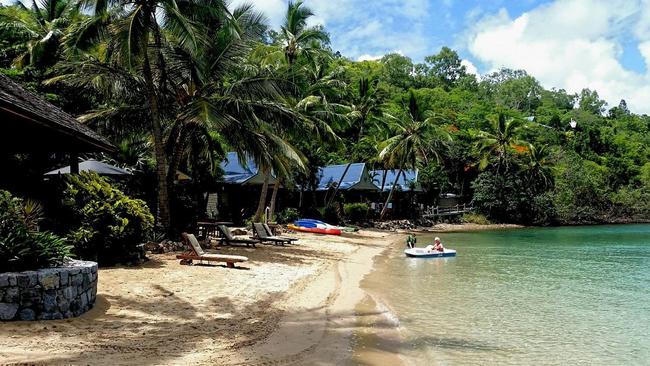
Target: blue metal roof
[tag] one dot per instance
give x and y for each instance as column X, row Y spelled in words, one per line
column 405, row 182
column 236, row 173
column 356, row 177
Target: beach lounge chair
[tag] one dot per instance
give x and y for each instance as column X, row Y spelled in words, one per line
column 228, row 239
column 265, row 236
column 270, row 232
column 196, row 253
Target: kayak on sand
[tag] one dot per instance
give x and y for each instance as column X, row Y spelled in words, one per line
column 321, row 224
column 315, row 229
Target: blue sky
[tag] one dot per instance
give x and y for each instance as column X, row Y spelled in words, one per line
column 571, row 44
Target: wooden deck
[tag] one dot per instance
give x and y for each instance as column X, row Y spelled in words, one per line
column 437, row 211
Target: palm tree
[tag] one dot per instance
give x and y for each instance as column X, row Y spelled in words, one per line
column 539, row 166
column 201, row 89
column 497, row 142
column 415, row 139
column 41, row 31
column 363, row 107
column 297, row 36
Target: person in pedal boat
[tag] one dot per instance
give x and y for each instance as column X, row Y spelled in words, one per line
column 438, row 245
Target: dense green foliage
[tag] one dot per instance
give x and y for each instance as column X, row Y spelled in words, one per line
column 174, row 88
column 22, row 248
column 288, row 215
column 107, row 225
column 356, row 212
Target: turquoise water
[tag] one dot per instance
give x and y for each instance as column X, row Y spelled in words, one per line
column 543, row 296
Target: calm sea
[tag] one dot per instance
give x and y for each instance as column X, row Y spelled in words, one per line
column 543, row 296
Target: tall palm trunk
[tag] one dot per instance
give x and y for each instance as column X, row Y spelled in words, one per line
column 336, row 189
column 274, row 197
column 262, row 203
column 390, row 195
column 164, row 215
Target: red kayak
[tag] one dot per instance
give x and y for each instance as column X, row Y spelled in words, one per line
column 314, row 230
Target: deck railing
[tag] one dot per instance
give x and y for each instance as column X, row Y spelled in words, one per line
column 433, row 211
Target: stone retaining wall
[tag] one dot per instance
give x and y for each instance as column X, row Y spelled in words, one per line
column 51, row 293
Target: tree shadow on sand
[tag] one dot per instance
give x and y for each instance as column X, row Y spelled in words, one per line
column 157, row 329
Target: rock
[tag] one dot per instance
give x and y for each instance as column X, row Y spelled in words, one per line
column 27, row 279
column 83, row 300
column 70, row 293
column 12, row 294
column 27, row 314
column 49, row 279
column 64, row 278
column 8, row 311
column 87, row 279
column 31, row 296
column 50, row 316
column 239, row 231
column 4, row 280
column 64, row 305
column 49, row 303
column 77, row 280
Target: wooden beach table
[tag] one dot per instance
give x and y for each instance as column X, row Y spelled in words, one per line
column 208, row 229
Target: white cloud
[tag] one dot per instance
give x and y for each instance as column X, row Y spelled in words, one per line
column 367, row 57
column 470, row 67
column 274, row 10
column 571, row 44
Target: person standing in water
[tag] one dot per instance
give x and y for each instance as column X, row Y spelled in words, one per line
column 410, row 241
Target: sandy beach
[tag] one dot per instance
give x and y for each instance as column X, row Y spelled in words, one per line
column 296, row 304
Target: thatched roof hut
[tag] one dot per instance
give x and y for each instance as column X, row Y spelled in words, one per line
column 28, row 123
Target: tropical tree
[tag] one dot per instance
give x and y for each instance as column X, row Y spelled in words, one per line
column 364, row 106
column 296, row 36
column 37, row 32
column 190, row 73
column 415, row 139
column 539, row 167
column 499, row 140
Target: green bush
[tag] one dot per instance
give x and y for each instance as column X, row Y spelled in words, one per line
column 331, row 214
column 356, row 212
column 288, row 215
column 475, row 218
column 580, row 191
column 109, row 226
column 24, row 249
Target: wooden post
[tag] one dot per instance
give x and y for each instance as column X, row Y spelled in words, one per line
column 74, row 163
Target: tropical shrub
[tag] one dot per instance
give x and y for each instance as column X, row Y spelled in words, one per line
column 288, row 215
column 475, row 218
column 24, row 249
column 581, row 191
column 356, row 212
column 511, row 198
column 108, row 225
column 331, row 214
